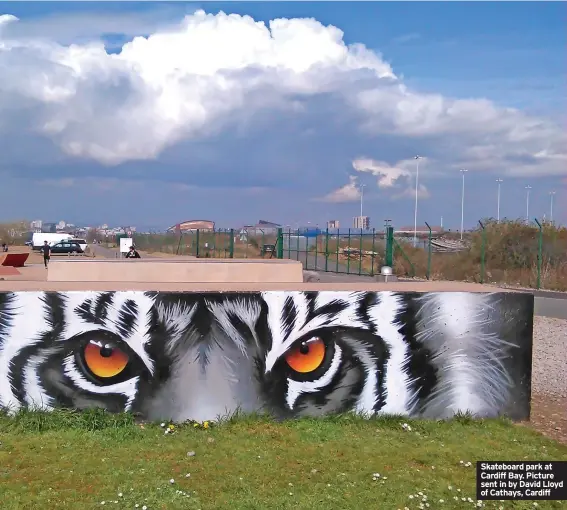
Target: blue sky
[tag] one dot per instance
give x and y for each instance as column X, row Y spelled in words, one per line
column 279, row 163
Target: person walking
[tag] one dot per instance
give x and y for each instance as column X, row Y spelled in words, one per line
column 132, row 253
column 46, row 250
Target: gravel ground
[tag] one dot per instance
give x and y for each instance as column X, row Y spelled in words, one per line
column 549, row 378
column 549, row 372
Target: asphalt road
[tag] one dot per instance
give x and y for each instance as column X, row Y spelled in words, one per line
column 550, row 307
column 107, row 253
column 101, row 251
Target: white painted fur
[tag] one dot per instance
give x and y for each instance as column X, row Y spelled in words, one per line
column 468, row 359
column 399, row 396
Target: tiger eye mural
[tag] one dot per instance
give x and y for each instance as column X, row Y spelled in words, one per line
column 199, row 356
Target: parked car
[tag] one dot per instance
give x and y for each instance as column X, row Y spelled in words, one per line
column 81, row 242
column 66, row 247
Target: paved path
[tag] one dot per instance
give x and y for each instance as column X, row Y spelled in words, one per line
column 111, row 253
column 550, row 307
column 101, row 251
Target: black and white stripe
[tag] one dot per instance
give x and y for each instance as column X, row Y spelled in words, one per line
column 195, row 356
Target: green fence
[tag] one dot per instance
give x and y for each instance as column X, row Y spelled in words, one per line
column 340, row 251
column 348, row 251
column 516, row 253
column 512, row 252
column 219, row 243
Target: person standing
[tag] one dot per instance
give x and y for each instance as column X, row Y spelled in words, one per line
column 132, row 253
column 46, row 250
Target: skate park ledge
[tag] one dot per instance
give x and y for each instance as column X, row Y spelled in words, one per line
column 221, row 275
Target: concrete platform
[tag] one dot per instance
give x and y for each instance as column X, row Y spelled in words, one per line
column 176, row 271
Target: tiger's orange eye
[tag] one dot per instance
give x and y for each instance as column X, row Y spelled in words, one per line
column 307, row 356
column 105, row 361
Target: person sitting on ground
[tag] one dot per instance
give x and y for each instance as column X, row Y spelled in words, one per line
column 46, row 250
column 132, row 254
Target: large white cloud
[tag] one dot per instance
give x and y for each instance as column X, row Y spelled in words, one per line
column 350, row 192
column 191, row 81
column 399, row 178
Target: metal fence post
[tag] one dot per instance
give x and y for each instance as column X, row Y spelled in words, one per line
column 279, row 243
column 373, row 251
column 482, row 251
column 197, row 244
column 231, row 244
column 428, row 274
column 316, row 247
column 338, row 246
column 539, row 253
column 389, row 246
column 327, row 249
column 360, row 249
column 348, row 253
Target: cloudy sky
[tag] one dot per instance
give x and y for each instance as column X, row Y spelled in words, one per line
column 151, row 113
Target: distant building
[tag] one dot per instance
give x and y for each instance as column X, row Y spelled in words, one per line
column 36, row 225
column 361, row 222
column 189, row 225
column 49, row 228
column 333, row 224
column 262, row 227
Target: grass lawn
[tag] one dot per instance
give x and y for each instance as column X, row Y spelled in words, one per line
column 67, row 460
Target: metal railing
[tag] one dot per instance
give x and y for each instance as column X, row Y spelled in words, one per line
column 218, row 243
column 512, row 252
column 350, row 251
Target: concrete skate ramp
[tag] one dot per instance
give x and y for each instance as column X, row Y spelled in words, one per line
column 176, row 271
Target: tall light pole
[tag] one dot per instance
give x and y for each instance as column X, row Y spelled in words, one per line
column 361, row 198
column 528, row 188
column 463, row 172
column 551, row 194
column 417, row 158
column 499, row 181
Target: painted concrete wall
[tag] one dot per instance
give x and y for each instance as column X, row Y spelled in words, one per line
column 199, row 356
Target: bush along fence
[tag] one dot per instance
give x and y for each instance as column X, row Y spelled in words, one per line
column 509, row 252
column 515, row 253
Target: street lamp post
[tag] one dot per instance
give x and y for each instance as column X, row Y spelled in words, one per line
column 528, row 188
column 463, row 172
column 499, row 181
column 417, row 158
column 361, row 198
column 551, row 194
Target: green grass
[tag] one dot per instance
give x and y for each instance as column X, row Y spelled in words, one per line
column 71, row 460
